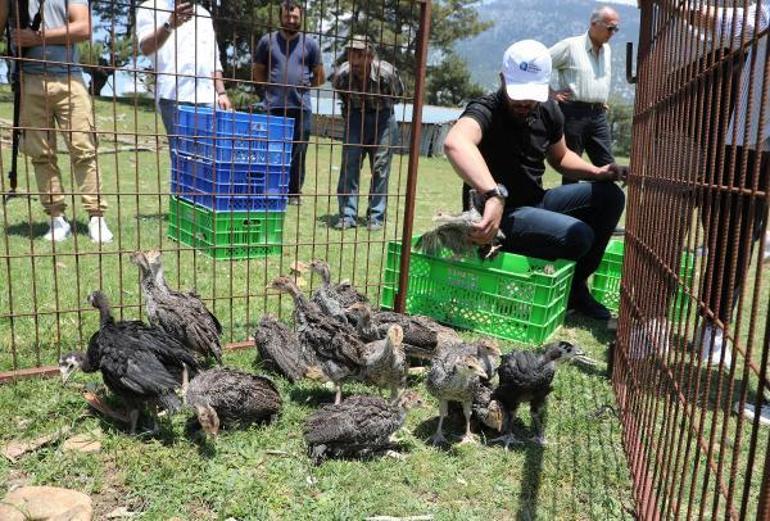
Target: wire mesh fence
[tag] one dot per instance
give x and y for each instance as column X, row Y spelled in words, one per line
column 694, row 333
column 127, row 132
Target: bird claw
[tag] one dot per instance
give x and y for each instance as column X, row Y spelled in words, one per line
column 438, row 439
column 507, row 440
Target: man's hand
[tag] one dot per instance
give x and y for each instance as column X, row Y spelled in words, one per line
column 485, row 231
column 182, row 14
column 613, row 172
column 26, row 38
column 563, row 95
column 224, row 103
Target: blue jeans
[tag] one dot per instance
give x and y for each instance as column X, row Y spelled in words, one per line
column 572, row 222
column 303, row 121
column 373, row 134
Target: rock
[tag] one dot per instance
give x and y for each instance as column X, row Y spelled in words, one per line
column 46, row 503
column 17, row 448
column 83, row 443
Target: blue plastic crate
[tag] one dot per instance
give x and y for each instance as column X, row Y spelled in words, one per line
column 207, row 122
column 237, row 187
column 236, row 150
column 234, row 136
column 218, row 177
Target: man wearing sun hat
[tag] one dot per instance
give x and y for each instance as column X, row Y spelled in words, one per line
column 499, row 146
column 370, row 88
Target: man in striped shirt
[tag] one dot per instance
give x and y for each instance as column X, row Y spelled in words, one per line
column 581, row 85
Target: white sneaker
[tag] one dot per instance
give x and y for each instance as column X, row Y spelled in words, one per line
column 749, row 411
column 712, row 340
column 649, row 337
column 58, row 230
column 98, row 230
column 766, row 256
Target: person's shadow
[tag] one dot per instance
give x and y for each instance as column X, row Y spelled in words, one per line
column 35, row 230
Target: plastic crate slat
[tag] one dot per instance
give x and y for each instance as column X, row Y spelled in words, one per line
column 510, row 296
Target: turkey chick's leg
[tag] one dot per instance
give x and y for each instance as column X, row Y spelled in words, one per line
column 468, row 437
column 443, row 409
column 537, row 411
column 133, row 417
column 338, row 395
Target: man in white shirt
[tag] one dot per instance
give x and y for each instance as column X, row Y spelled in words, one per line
column 180, row 39
column 581, row 84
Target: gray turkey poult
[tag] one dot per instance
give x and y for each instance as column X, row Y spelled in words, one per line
column 141, row 364
column 280, row 349
column 453, row 377
column 453, row 233
column 384, row 362
column 358, row 427
column 333, row 299
column 526, row 376
column 339, row 352
column 182, row 315
column 226, row 397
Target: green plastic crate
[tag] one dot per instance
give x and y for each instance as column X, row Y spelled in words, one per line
column 606, row 281
column 225, row 235
column 512, row 297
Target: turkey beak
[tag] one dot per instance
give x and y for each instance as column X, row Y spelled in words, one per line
column 482, row 373
column 582, row 358
column 65, row 372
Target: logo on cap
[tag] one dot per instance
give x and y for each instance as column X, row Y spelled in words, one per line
column 529, row 67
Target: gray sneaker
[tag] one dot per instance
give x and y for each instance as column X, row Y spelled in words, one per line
column 344, row 224
column 374, row 226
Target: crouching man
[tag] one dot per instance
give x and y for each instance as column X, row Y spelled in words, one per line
column 499, row 147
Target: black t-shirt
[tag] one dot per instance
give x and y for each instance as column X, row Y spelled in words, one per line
column 515, row 149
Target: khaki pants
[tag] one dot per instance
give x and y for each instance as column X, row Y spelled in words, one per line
column 49, row 100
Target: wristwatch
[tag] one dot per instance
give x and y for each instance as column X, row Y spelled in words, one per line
column 498, row 191
column 167, row 27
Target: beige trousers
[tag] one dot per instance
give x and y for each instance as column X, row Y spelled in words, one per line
column 58, row 100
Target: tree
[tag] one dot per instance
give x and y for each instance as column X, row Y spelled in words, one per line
column 449, row 84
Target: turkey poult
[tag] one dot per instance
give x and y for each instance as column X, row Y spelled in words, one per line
column 181, row 315
column 141, row 364
column 453, row 377
column 225, row 397
column 485, row 408
column 453, row 233
column 526, row 376
column 338, row 350
column 422, row 335
column 358, row 427
column 385, row 362
column 280, row 350
column 333, row 299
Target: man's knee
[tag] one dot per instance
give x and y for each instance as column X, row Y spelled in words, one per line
column 613, row 200
column 577, row 241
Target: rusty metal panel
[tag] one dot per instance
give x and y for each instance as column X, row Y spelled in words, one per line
column 693, row 329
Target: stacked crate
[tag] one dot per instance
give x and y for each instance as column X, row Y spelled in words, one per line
column 229, row 182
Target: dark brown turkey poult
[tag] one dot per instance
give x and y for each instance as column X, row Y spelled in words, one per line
column 358, row 427
column 421, row 334
column 182, row 315
column 338, row 350
column 280, row 350
column 223, row 397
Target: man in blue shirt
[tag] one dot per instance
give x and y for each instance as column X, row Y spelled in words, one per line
column 288, row 63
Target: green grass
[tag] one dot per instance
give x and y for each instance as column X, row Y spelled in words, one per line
column 581, row 475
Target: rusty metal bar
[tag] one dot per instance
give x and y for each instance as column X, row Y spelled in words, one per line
column 414, row 145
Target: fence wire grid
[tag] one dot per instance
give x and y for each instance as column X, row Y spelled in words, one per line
column 693, row 329
column 216, row 200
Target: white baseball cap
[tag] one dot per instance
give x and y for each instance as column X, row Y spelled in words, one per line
column 527, row 71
